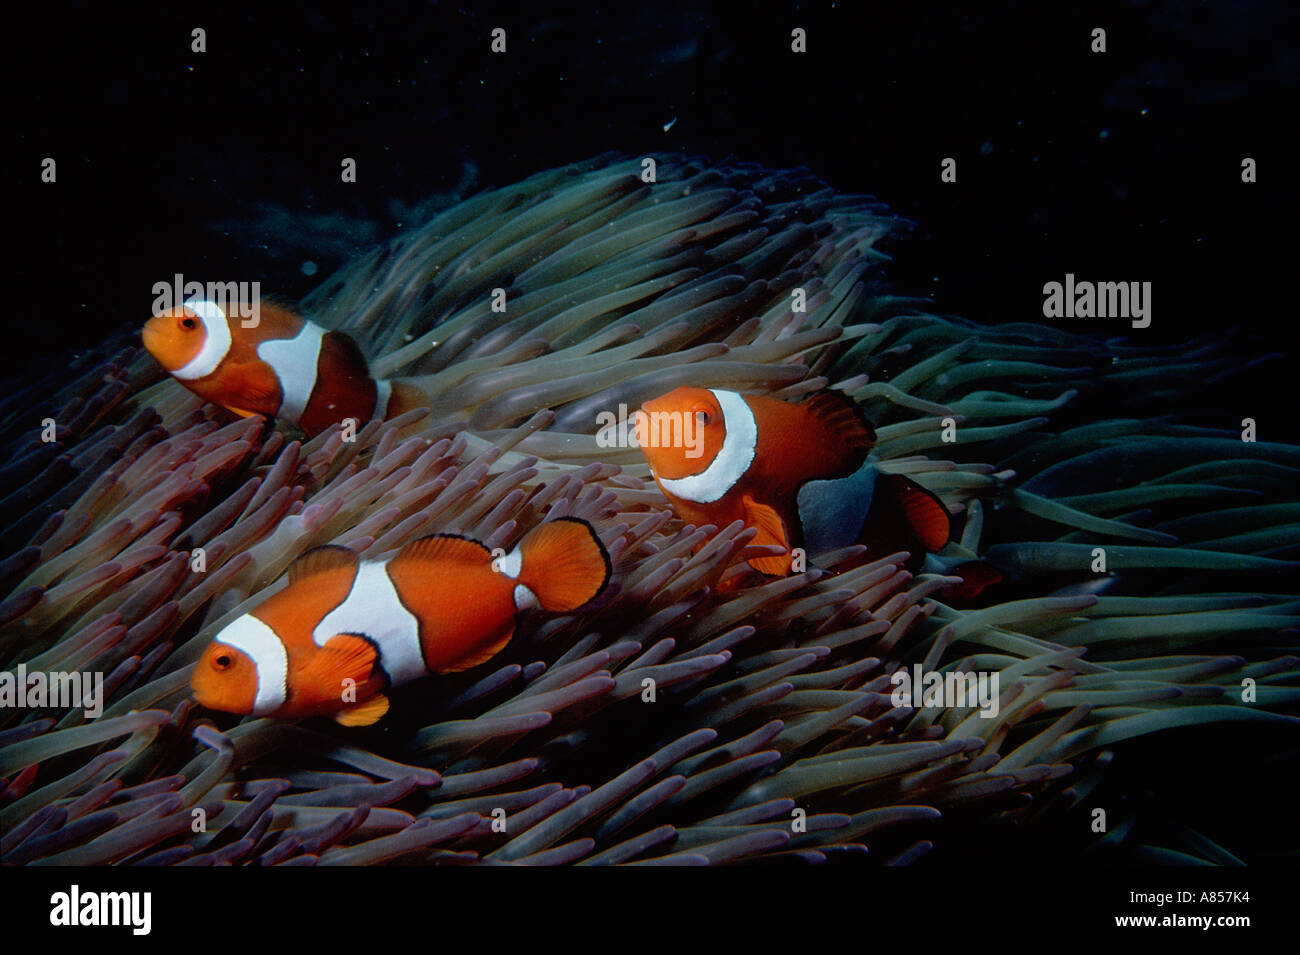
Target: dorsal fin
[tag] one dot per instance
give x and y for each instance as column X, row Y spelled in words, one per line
column 322, row 559
column 842, row 417
column 278, row 300
column 444, row 547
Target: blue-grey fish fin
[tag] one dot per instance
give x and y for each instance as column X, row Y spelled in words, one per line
column 833, row 511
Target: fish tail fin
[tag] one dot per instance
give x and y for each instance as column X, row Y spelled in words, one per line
column 904, row 516
column 564, row 564
column 403, row 397
column 925, row 514
column 976, row 577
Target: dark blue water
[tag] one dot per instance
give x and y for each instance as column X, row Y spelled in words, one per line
column 1122, row 166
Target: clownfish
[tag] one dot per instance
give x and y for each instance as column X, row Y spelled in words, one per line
column 798, row 473
column 283, row 367
column 344, row 630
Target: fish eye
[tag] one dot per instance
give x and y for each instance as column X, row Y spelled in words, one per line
column 188, row 322
column 222, row 661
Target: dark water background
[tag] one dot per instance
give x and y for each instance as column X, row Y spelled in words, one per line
column 1121, row 166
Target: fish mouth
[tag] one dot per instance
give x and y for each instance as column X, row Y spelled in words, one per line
column 667, row 460
column 205, row 694
column 201, row 695
column 152, row 333
column 641, row 422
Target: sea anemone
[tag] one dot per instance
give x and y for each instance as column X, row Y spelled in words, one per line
column 694, row 715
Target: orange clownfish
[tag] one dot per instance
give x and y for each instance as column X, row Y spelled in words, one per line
column 344, row 630
column 797, row 472
column 283, row 367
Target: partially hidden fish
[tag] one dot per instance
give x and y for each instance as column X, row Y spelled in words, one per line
column 343, row 630
column 798, row 473
column 283, row 367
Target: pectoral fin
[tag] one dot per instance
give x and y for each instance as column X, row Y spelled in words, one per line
column 771, row 530
column 345, row 656
column 255, row 389
column 363, row 714
column 242, row 412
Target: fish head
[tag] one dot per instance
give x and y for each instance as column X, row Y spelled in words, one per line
column 225, row 679
column 681, row 432
column 189, row 340
column 243, row 670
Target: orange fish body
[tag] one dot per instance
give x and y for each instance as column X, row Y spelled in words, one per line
column 282, row 367
column 797, row 472
column 344, row 630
